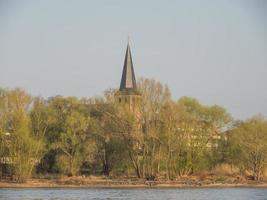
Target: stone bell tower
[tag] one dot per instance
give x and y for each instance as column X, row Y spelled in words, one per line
column 128, row 93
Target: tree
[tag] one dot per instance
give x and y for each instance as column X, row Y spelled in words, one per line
column 22, row 149
column 110, row 147
column 174, row 139
column 68, row 134
column 39, row 116
column 72, row 140
column 206, row 128
column 250, row 141
column 154, row 96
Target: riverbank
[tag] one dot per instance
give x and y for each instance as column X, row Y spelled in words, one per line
column 102, row 182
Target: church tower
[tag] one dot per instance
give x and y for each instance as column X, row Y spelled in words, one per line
column 128, row 93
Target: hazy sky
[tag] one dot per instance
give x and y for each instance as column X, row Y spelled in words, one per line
column 215, row 51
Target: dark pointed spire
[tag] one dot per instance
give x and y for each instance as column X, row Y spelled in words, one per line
column 128, row 81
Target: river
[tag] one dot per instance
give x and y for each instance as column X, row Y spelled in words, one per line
column 135, row 194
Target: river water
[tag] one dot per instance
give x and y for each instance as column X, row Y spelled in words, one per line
column 135, row 194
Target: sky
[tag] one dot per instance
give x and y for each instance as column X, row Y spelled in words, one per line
column 215, row 51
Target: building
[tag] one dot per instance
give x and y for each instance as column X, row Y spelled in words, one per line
column 128, row 94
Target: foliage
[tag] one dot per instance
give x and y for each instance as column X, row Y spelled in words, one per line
column 19, row 145
column 249, row 145
column 162, row 138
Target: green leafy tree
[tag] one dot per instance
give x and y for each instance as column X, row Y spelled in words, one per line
column 22, row 148
column 249, row 142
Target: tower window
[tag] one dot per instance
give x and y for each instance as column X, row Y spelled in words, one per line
column 119, row 99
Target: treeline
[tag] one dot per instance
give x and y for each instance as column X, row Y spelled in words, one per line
column 96, row 136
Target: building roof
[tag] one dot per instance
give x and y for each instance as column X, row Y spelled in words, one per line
column 128, row 82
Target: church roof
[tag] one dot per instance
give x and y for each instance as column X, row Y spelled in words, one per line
column 128, row 82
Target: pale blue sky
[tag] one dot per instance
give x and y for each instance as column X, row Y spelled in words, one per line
column 215, row 51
